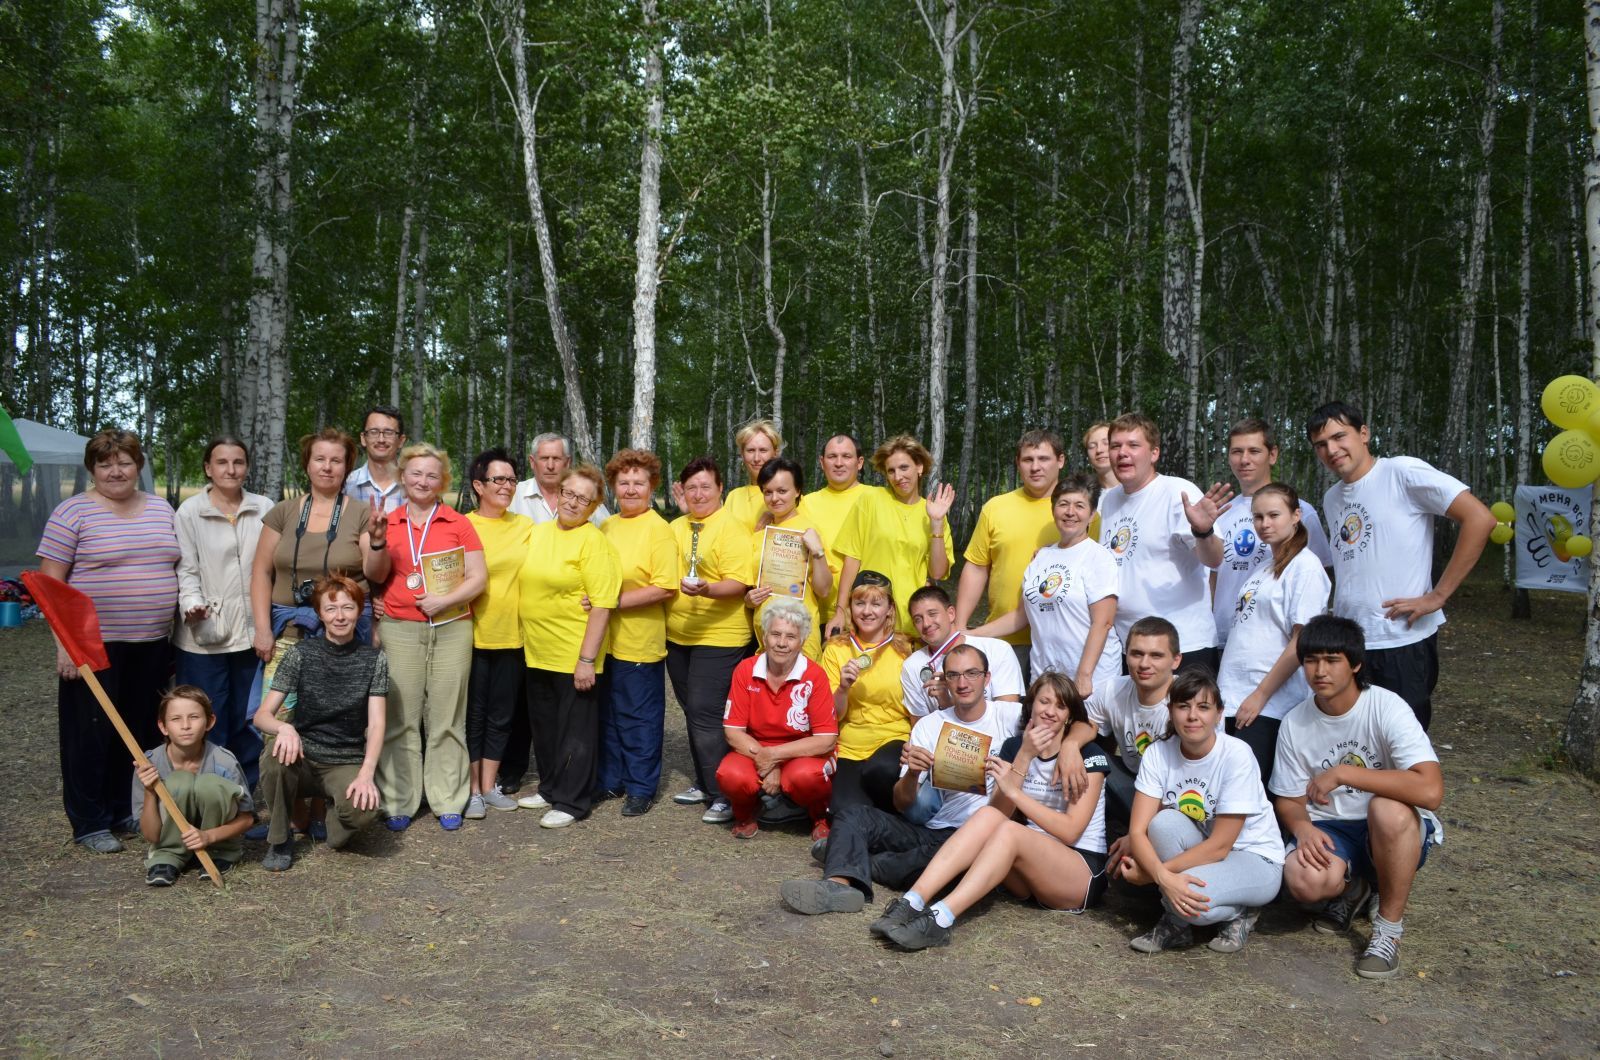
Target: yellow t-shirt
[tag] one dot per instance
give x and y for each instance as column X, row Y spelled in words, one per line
column 893, row 539
column 563, row 565
column 649, row 556
column 700, row 621
column 496, row 621
column 745, row 504
column 828, row 508
column 1011, row 528
column 799, row 522
column 1094, row 527
column 876, row 713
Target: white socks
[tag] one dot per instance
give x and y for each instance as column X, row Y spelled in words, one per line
column 942, row 915
column 916, row 901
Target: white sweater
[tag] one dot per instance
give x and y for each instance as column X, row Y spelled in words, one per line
column 215, row 571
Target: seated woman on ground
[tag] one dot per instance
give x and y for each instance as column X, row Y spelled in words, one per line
column 1056, row 853
column 1202, row 828
column 205, row 781
column 779, row 724
column 332, row 747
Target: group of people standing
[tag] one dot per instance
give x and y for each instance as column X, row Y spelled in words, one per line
column 1142, row 677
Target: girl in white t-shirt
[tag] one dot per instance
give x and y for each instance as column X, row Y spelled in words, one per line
column 1057, row 857
column 1202, row 828
column 1260, row 678
column 1069, row 596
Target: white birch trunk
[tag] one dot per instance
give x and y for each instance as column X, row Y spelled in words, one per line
column 1178, row 326
column 946, row 39
column 419, row 338
column 510, row 367
column 1520, row 605
column 647, row 274
column 398, row 344
column 969, row 418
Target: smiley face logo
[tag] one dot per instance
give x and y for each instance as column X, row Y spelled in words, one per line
column 1051, row 584
column 1244, row 542
column 1142, row 741
column 1119, row 543
column 1192, row 806
column 1350, row 530
column 1352, row 759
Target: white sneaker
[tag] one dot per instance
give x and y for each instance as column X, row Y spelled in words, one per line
column 556, row 819
column 692, row 796
column 720, row 812
column 533, row 802
column 496, row 801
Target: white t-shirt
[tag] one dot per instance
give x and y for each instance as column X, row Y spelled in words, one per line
column 1152, row 542
column 1226, row 781
column 1382, row 535
column 1243, row 553
column 1000, row 722
column 1267, row 611
column 1116, row 710
column 1379, row 732
column 1057, row 589
column 1041, row 784
column 1005, row 675
column 529, row 500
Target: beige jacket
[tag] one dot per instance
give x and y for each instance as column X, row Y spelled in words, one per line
column 215, row 572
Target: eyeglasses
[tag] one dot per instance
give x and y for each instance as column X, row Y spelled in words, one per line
column 500, row 480
column 964, row 675
column 380, row 432
column 581, row 498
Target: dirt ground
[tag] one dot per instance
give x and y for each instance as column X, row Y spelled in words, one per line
column 662, row 936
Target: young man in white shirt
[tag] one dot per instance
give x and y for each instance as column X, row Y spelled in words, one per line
column 1252, row 454
column 383, row 435
column 922, row 677
column 866, row 844
column 1011, row 528
column 1162, row 531
column 538, row 497
column 1380, row 520
column 1368, row 817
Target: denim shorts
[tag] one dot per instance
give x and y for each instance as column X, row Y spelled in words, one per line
column 1350, row 844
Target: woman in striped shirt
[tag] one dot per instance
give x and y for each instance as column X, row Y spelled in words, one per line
column 117, row 545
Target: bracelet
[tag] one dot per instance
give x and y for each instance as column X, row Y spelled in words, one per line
column 1199, row 536
column 586, row 662
column 373, row 546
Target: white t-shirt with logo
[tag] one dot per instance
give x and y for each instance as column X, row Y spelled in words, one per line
column 1379, row 732
column 1381, row 529
column 1153, row 544
column 1116, row 710
column 1243, row 553
column 1005, row 674
column 1000, row 722
column 1042, row 785
column 1226, row 781
column 1057, row 589
column 1266, row 612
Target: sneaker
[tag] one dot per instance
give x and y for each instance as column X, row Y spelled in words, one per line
column 1231, row 936
column 636, row 805
column 821, row 896
column 127, row 826
column 691, row 796
column 897, row 913
column 476, row 810
column 450, row 822
column 820, row 831
column 745, row 829
column 719, row 812
column 279, row 857
column 819, row 850
column 398, row 823
column 161, row 876
column 318, row 831
column 1170, row 933
column 257, row 832
column 920, row 934
column 556, row 819
column 533, row 802
column 607, row 794
column 101, row 843
column 1336, row 916
column 508, row 785
column 224, row 866
column 1381, row 959
column 496, row 799
column 780, row 810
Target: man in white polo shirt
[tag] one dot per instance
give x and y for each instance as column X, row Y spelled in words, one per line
column 536, row 497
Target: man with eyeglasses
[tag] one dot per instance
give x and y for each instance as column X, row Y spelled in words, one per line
column 539, row 497
column 866, row 844
column 383, row 434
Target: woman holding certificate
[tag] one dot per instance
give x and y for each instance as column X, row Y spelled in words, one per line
column 863, row 666
column 896, row 531
column 790, row 559
column 707, row 629
column 431, row 567
column 758, row 442
column 569, row 586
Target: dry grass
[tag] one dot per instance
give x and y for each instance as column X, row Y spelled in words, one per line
column 662, row 936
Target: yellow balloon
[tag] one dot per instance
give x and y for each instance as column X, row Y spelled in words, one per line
column 1558, row 528
column 1503, row 512
column 1579, row 546
column 1502, row 533
column 1572, row 459
column 1568, row 400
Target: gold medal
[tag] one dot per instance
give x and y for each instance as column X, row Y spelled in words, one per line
column 863, row 661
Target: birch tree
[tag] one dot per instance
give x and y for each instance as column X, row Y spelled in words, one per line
column 1181, row 227
column 647, row 275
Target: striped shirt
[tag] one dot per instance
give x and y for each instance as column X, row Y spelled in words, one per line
column 126, row 565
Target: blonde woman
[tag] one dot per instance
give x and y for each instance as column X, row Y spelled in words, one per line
column 758, row 442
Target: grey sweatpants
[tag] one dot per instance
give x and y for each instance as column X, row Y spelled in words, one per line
column 1242, row 880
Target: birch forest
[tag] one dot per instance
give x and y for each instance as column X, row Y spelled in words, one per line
column 645, row 221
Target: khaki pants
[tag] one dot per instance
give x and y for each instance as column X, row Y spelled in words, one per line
column 429, row 670
column 281, row 785
column 207, row 801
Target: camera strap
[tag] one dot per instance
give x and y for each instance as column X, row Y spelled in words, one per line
column 300, row 532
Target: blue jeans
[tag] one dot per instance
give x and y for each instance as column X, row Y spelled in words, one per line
column 226, row 677
column 633, row 708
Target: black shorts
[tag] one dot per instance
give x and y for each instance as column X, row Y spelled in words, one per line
column 1410, row 671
